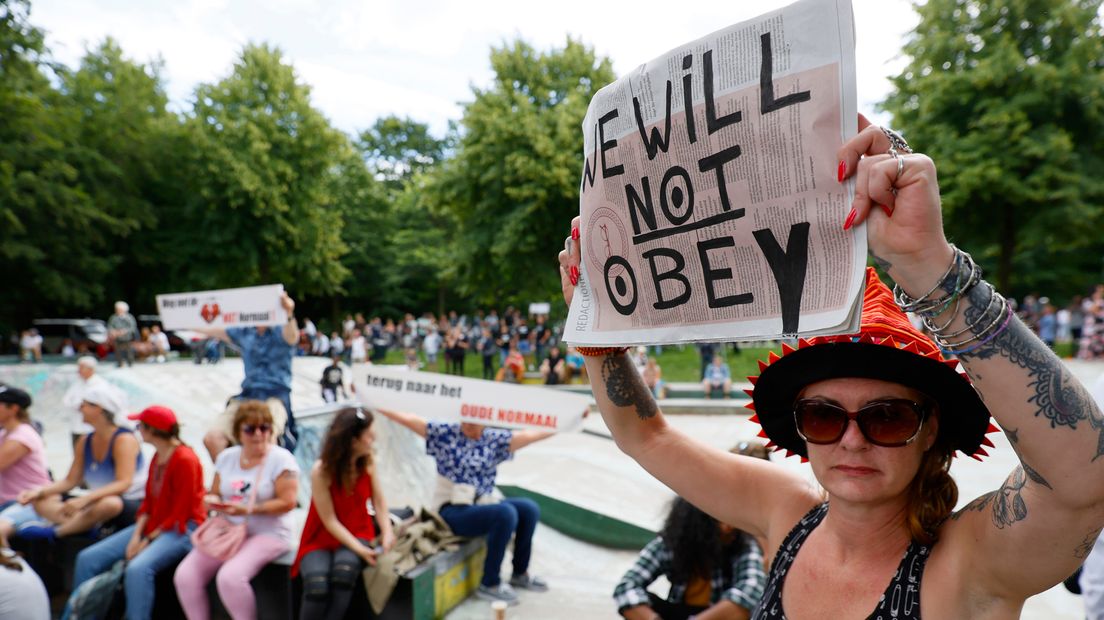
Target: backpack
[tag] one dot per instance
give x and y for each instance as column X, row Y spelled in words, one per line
column 93, row 599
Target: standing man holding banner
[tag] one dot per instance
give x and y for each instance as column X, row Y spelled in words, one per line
column 266, row 355
column 467, row 456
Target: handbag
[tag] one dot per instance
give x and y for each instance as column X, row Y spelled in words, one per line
column 218, row 536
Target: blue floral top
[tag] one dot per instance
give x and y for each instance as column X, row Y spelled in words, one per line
column 468, row 461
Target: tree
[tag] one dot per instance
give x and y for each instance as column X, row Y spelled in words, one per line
column 512, row 185
column 52, row 236
column 263, row 207
column 119, row 108
column 395, row 148
column 1005, row 97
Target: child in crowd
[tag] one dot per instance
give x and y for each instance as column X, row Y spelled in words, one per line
column 333, row 381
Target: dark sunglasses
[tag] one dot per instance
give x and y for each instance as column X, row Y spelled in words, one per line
column 250, row 429
column 890, row 423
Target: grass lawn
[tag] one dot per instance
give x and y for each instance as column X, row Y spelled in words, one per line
column 679, row 364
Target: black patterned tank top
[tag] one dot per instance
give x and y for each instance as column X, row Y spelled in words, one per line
column 900, row 601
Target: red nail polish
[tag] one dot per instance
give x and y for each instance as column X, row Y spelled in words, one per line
column 841, row 171
column 574, row 274
column 888, row 211
column 575, row 233
column 850, row 219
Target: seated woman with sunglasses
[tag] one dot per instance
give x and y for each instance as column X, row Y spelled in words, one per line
column 255, row 461
column 339, row 536
column 885, row 542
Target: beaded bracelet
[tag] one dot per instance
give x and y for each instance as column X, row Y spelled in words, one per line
column 600, row 351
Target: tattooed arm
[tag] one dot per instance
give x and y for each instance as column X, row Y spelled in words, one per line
column 1051, row 507
column 749, row 493
column 1054, row 500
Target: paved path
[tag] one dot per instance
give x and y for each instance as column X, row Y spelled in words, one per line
column 581, row 468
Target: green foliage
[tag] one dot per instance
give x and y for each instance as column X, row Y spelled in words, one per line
column 263, row 206
column 52, row 233
column 512, row 184
column 396, row 148
column 120, row 118
column 1004, row 95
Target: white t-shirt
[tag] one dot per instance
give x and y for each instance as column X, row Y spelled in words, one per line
column 72, row 400
column 357, row 348
column 432, row 343
column 236, row 484
column 22, row 594
column 161, row 341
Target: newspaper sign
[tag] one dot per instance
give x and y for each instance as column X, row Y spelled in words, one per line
column 233, row 307
column 458, row 399
column 709, row 200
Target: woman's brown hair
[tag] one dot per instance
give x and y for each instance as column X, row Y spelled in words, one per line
column 250, row 410
column 932, row 495
column 337, row 447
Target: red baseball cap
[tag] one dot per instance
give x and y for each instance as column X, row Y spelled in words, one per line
column 156, row 416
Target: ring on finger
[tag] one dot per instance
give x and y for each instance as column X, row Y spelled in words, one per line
column 896, row 141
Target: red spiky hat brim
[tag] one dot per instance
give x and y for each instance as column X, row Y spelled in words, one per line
column 963, row 418
column 887, row 348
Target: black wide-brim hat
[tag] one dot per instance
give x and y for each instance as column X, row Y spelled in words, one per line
column 887, row 348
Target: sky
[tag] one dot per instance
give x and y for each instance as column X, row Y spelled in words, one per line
column 420, row 58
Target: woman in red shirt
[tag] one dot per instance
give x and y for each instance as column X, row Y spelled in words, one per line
column 339, row 535
column 161, row 534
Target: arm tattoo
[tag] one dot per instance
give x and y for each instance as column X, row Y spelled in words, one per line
column 977, row 505
column 1008, row 503
column 1086, row 546
column 1034, row 476
column 881, row 263
column 625, row 387
column 1057, row 394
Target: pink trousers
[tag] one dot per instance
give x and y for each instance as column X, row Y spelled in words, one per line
column 231, row 580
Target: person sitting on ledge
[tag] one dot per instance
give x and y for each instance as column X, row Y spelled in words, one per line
column 339, row 537
column 107, row 460
column 467, row 458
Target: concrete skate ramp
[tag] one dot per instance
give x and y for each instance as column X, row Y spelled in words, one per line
column 583, row 470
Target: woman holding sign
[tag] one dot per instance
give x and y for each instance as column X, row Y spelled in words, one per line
column 879, row 414
column 467, row 458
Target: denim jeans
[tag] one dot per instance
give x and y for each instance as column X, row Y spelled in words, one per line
column 498, row 522
column 162, row 552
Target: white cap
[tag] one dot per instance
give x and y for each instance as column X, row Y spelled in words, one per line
column 87, row 360
column 107, row 396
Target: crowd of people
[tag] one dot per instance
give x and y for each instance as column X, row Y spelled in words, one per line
column 162, row 516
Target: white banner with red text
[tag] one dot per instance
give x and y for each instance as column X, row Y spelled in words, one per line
column 459, row 399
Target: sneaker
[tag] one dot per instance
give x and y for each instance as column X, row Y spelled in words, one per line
column 526, row 582
column 501, row 592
